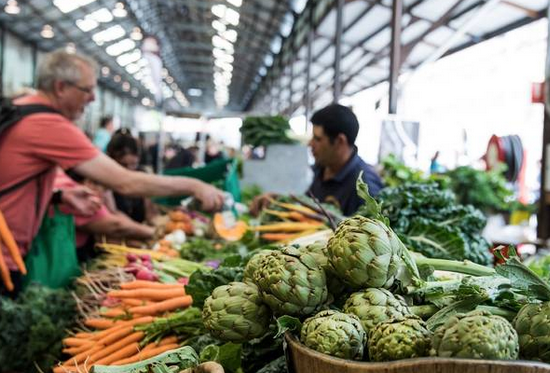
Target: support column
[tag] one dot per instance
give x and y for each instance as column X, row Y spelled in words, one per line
column 337, row 88
column 543, row 228
column 395, row 58
column 307, row 98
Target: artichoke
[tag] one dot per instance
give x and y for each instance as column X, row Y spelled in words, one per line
column 365, row 253
column 252, row 265
column 476, row 335
column 235, row 313
column 532, row 323
column 399, row 338
column 319, row 251
column 334, row 333
column 373, row 306
column 291, row 282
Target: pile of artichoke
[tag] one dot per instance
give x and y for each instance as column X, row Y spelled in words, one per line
column 379, row 319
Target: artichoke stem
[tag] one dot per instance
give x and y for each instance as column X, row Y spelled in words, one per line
column 466, row 267
column 434, row 287
column 497, row 311
column 424, row 311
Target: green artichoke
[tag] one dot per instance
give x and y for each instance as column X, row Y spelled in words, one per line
column 252, row 265
column 235, row 313
column 334, row 333
column 399, row 338
column 291, row 282
column 532, row 323
column 365, row 253
column 319, row 251
column 373, row 306
column 476, row 335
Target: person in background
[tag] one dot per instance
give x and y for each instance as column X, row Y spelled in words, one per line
column 435, row 166
column 337, row 164
column 124, row 149
column 102, row 222
column 32, row 150
column 103, row 134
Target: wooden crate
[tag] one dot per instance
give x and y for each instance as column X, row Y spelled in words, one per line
column 305, row 360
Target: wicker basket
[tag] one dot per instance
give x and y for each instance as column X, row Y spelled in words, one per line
column 305, row 360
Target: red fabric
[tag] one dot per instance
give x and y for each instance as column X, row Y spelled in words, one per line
column 38, row 142
column 63, row 181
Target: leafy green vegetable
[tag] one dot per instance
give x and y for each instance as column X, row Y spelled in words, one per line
column 486, row 190
column 395, row 173
column 263, row 131
column 228, row 355
column 276, row 366
column 429, row 221
column 170, row 361
column 202, row 283
column 32, row 328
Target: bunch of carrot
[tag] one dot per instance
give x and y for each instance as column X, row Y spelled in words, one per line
column 117, row 342
column 295, row 221
column 7, row 239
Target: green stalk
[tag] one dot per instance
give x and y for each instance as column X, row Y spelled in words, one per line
column 424, row 311
column 466, row 267
column 497, row 311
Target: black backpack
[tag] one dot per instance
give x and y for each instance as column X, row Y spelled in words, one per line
column 10, row 115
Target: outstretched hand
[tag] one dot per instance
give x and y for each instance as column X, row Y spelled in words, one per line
column 211, row 198
column 82, row 200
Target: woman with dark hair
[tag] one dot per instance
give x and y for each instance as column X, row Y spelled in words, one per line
column 124, row 149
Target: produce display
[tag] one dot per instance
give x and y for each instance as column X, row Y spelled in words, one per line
column 397, row 281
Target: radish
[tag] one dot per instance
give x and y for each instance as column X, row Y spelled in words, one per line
column 146, row 275
column 145, row 257
column 131, row 258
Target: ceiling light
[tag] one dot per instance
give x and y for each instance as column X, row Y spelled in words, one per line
column 105, row 71
column 47, row 32
column 134, row 92
column 101, row 15
column 219, row 10
column 229, row 35
column 117, row 78
column 128, row 58
column 145, row 101
column 236, row 3
column 110, row 34
column 67, row 6
column 133, row 68
column 231, row 16
column 126, row 87
column 221, row 43
column 119, row 10
column 174, row 86
column 169, row 80
column 136, row 34
column 194, row 92
column 218, row 26
column 12, row 7
column 70, row 48
column 120, row 47
column 86, row 24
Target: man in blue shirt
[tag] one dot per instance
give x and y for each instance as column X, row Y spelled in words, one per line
column 337, row 165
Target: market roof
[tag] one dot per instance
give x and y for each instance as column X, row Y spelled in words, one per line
column 226, row 56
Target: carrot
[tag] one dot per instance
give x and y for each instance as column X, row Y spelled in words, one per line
column 83, row 335
column 108, row 350
column 277, row 236
column 114, row 312
column 148, row 294
column 123, row 353
column 7, row 237
column 77, row 359
column 286, row 227
column 75, row 342
column 168, row 340
column 119, row 334
column 65, row 369
column 77, row 350
column 146, row 354
column 5, row 272
column 140, row 284
column 101, row 323
column 137, row 321
column 167, row 305
column 135, row 302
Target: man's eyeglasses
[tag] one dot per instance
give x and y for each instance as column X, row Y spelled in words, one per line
column 88, row 90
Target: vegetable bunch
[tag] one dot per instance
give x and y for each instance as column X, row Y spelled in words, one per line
column 264, row 131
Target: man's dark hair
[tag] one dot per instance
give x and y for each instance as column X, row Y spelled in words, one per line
column 104, row 121
column 336, row 119
column 122, row 144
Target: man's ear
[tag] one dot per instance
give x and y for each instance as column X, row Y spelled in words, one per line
column 341, row 139
column 59, row 87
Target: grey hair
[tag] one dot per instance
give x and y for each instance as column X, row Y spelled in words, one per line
column 61, row 65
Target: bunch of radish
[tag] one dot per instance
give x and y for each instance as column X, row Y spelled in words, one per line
column 141, row 266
